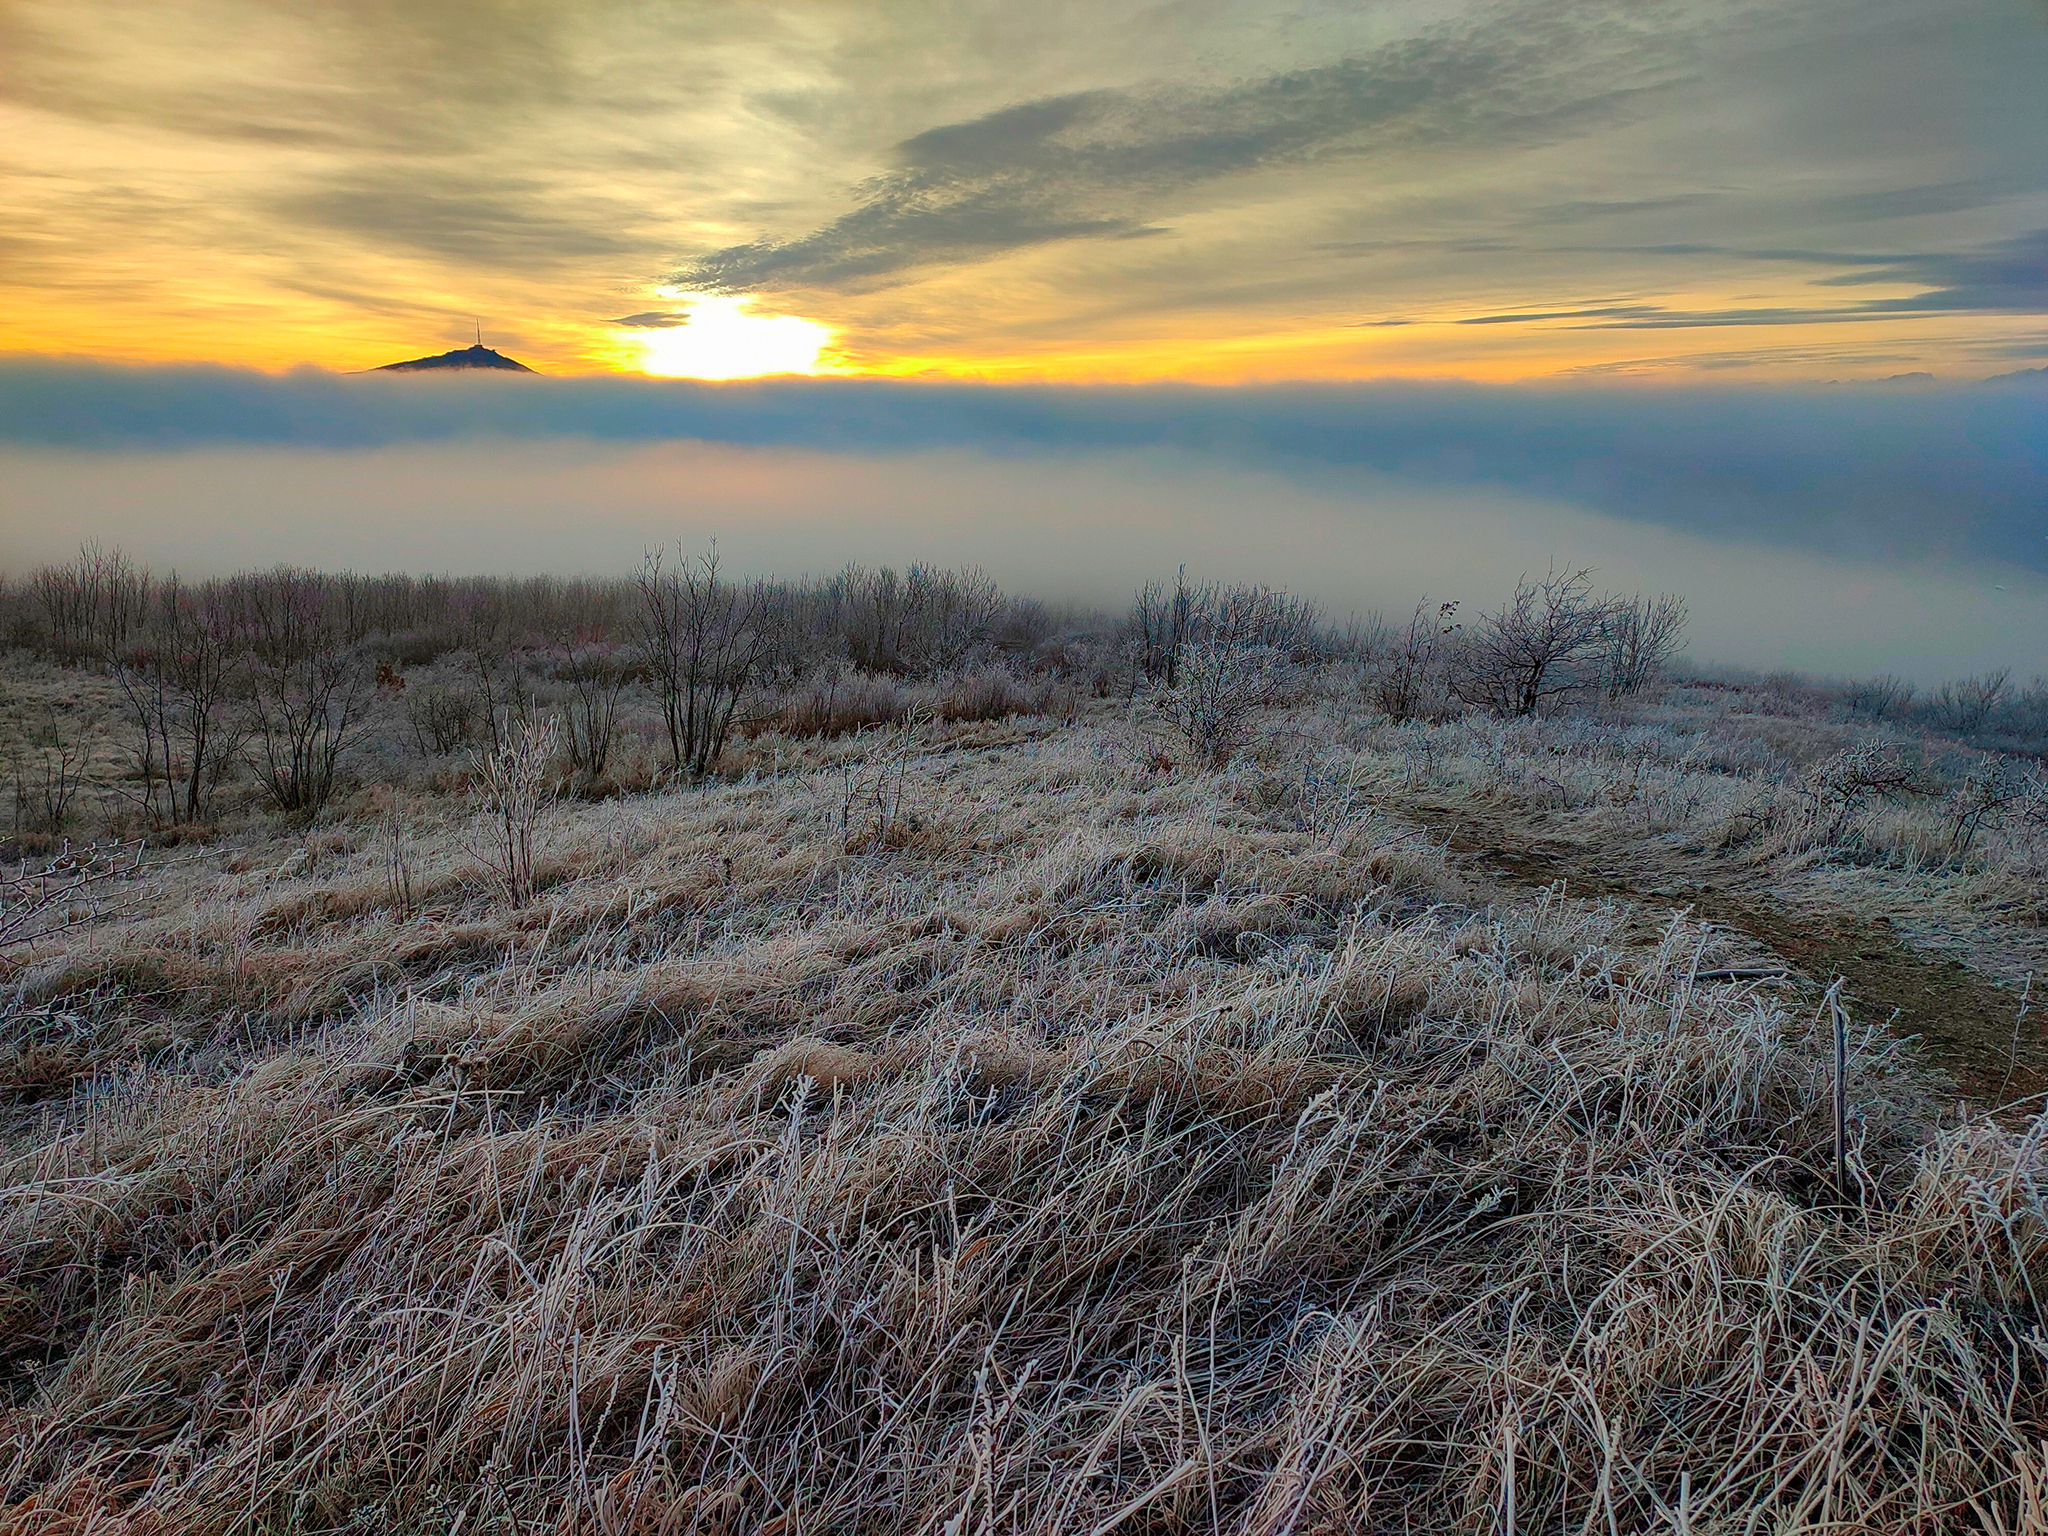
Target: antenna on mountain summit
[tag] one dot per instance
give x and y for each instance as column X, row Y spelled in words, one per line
column 479, row 331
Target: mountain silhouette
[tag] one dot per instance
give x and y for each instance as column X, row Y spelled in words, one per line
column 478, row 356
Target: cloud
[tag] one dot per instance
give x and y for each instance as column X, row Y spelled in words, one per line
column 2008, row 276
column 411, row 80
column 1224, row 192
column 1584, row 210
column 652, row 320
column 1920, row 199
column 509, row 221
column 1098, row 164
column 1603, row 311
column 1940, row 473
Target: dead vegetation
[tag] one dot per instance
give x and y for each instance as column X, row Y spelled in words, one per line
column 1126, row 1149
column 982, row 1103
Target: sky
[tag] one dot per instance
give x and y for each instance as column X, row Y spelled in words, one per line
column 1113, row 190
column 1742, row 299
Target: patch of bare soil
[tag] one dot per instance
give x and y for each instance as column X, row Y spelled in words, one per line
column 1965, row 1022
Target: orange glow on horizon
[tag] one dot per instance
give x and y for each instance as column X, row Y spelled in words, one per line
column 740, row 337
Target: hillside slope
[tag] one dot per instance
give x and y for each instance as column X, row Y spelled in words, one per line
column 999, row 1127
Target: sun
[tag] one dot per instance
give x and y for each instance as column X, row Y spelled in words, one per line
column 725, row 338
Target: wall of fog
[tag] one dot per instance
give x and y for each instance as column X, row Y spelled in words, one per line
column 1059, row 523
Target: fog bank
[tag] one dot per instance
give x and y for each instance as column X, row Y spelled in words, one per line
column 1083, row 525
column 1901, row 472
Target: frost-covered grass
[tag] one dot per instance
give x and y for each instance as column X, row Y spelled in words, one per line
column 1008, row 1125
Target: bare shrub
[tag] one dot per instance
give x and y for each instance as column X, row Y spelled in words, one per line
column 1845, row 784
column 443, row 720
column 516, row 784
column 177, row 680
column 873, row 809
column 1235, row 660
column 303, row 687
column 395, row 847
column 924, row 621
column 1328, row 798
column 706, row 640
column 593, row 673
column 2027, row 713
column 1879, row 698
column 1158, row 626
column 1643, row 635
column 48, row 772
column 1023, row 630
column 1994, row 791
column 1404, row 667
column 1543, row 646
column 43, row 899
column 1965, row 707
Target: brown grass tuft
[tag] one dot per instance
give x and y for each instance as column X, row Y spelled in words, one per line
column 1122, row 1151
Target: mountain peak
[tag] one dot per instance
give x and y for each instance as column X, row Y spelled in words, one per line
column 478, row 356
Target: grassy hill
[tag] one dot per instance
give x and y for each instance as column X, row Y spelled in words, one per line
column 1003, row 1074
column 1004, row 1126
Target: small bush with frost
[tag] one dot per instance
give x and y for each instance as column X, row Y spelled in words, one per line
column 515, row 786
column 1237, row 657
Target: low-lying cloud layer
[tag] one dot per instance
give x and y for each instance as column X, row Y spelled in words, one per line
column 1902, row 474
column 1070, row 525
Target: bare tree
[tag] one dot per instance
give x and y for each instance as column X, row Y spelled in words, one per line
column 874, row 610
column 952, row 616
column 705, row 640
column 1544, row 645
column 1643, row 634
column 93, row 605
column 489, row 660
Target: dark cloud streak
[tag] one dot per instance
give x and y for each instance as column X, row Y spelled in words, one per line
column 1098, row 164
column 511, row 222
column 2007, row 277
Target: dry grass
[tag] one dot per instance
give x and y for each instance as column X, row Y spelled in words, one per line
column 1118, row 1146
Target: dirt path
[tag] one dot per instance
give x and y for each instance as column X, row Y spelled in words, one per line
column 1965, row 1022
